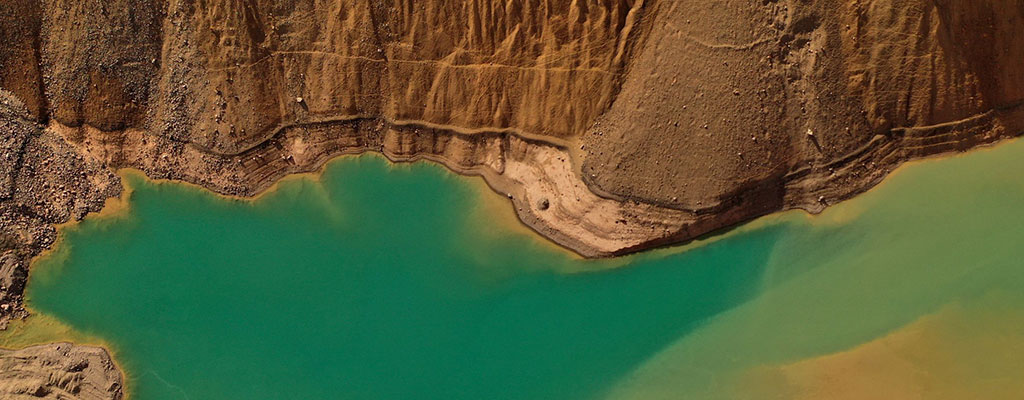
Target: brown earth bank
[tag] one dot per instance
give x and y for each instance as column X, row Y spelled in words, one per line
column 613, row 126
column 59, row 371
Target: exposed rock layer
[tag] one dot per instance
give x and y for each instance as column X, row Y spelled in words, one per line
column 613, row 126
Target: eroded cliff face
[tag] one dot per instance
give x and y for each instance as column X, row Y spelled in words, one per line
column 916, row 63
column 225, row 75
column 613, row 126
column 754, row 99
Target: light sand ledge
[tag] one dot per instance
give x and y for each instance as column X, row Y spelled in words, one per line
column 538, row 177
column 541, row 178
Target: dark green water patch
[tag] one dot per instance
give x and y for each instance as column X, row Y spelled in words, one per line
column 382, row 282
column 369, row 284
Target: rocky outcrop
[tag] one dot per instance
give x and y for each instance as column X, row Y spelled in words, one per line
column 59, row 371
column 44, row 181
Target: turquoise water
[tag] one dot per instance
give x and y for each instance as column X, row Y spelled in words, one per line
column 363, row 287
column 381, row 282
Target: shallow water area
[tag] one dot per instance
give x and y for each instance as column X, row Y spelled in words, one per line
column 381, row 281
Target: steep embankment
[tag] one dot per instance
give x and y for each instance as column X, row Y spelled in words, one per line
column 746, row 109
column 612, row 126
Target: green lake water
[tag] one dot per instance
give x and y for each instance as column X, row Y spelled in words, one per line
column 383, row 282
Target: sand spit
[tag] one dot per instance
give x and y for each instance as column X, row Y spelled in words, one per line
column 59, row 371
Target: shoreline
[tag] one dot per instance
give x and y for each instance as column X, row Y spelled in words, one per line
column 39, row 329
column 540, row 180
column 496, row 188
column 116, row 207
column 10, row 337
column 488, row 196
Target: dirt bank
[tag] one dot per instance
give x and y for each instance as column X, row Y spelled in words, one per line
column 59, row 371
